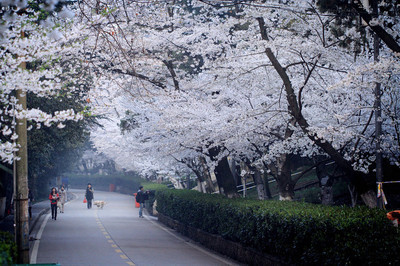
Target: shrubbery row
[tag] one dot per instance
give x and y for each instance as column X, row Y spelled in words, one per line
column 300, row 233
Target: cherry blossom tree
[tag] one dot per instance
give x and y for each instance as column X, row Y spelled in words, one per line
column 199, row 76
column 42, row 74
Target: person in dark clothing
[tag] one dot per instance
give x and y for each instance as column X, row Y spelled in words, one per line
column 141, row 197
column 89, row 195
column 53, row 197
column 30, row 202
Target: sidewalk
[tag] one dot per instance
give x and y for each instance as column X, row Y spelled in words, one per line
column 38, row 209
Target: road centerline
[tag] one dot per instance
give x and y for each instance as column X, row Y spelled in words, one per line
column 114, row 245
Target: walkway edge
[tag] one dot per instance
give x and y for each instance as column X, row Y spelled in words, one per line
column 35, row 249
column 34, row 222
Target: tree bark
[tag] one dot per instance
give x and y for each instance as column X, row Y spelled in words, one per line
column 284, row 175
column 355, row 177
column 266, row 185
column 325, row 184
column 225, row 179
column 377, row 29
column 210, row 188
column 259, row 182
column 234, row 167
column 282, row 171
column 201, row 173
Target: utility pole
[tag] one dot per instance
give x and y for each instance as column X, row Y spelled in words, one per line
column 378, row 113
column 21, row 182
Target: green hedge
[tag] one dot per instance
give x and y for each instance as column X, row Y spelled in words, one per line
column 300, row 233
column 153, row 186
column 8, row 249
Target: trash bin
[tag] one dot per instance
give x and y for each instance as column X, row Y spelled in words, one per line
column 112, row 187
column 137, row 204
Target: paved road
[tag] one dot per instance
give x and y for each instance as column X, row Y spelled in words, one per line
column 114, row 235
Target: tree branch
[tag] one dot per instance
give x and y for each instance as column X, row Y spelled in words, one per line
column 356, row 177
column 382, row 33
column 140, row 76
column 263, row 29
column 307, row 79
column 171, row 70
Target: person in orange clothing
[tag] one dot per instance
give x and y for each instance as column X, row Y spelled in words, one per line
column 394, row 216
column 53, row 197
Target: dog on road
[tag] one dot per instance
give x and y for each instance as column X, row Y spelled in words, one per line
column 99, row 203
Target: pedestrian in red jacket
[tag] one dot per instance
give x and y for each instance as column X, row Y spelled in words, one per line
column 53, row 197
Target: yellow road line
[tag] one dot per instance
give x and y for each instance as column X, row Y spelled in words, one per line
column 109, row 240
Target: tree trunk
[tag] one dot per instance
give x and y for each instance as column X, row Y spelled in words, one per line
column 259, row 182
column 353, row 195
column 326, row 183
column 187, row 182
column 357, row 178
column 266, row 185
column 236, row 176
column 225, row 179
column 285, row 184
column 283, row 177
column 377, row 28
column 226, row 182
column 210, row 188
column 283, row 172
column 201, row 171
column 244, row 167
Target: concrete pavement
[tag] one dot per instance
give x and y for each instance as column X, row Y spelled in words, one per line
column 114, row 235
column 38, row 209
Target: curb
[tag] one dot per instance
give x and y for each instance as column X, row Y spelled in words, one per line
column 34, row 221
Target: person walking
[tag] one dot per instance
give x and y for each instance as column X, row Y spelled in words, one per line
column 141, row 196
column 30, row 202
column 63, row 198
column 53, row 197
column 89, row 195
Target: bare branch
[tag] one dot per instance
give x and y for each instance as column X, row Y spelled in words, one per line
column 171, row 70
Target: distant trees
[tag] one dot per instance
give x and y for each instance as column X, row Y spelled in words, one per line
column 51, row 150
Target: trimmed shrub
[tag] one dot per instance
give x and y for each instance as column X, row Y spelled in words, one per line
column 8, row 249
column 301, row 233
